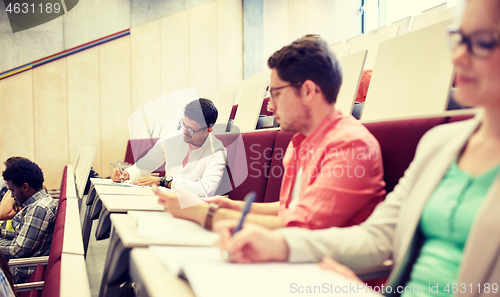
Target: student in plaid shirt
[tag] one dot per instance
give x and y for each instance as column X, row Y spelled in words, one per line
column 34, row 224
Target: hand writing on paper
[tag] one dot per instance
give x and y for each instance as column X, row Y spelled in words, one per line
column 328, row 263
column 252, row 244
column 170, row 201
column 117, row 177
column 147, row 181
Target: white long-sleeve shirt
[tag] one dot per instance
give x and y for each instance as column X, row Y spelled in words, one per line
column 205, row 165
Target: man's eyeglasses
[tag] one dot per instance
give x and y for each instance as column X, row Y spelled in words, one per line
column 479, row 43
column 190, row 130
column 272, row 90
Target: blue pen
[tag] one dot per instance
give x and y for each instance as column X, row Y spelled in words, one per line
column 249, row 199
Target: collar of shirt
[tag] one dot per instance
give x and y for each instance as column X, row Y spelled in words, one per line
column 38, row 195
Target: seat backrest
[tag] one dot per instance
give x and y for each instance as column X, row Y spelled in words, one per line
column 258, row 155
column 233, row 111
column 398, row 141
column 232, row 177
column 52, row 285
column 64, row 185
column 263, row 109
column 459, row 118
column 276, row 171
column 137, row 148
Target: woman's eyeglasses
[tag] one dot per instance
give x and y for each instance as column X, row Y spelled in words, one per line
column 479, row 43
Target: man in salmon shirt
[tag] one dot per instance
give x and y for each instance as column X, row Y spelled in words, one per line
column 333, row 174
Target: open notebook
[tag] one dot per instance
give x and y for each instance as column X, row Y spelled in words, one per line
column 209, row 276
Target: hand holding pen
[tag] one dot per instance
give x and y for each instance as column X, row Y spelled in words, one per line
column 119, row 175
column 249, row 199
column 121, row 172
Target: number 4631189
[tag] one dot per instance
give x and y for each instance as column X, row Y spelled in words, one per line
column 32, row 8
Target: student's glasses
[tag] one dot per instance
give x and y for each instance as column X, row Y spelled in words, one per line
column 190, row 130
column 479, row 43
column 273, row 90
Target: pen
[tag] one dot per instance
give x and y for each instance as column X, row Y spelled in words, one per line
column 249, row 199
column 120, row 169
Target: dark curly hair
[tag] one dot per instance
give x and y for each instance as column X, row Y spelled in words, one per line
column 210, row 113
column 24, row 171
column 309, row 58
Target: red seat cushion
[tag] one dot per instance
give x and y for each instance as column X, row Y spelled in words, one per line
column 37, row 276
column 31, row 293
column 61, row 216
column 56, row 247
column 51, row 287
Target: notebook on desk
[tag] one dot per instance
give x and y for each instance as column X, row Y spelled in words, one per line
column 209, row 276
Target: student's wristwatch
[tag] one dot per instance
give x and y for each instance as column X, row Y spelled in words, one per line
column 164, row 181
column 210, row 216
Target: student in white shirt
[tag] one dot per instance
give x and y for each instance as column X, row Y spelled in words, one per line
column 195, row 159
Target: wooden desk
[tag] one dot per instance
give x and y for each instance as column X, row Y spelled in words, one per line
column 123, row 190
column 74, row 279
column 72, row 242
column 124, row 203
column 152, row 278
column 70, row 182
column 93, row 206
column 123, row 238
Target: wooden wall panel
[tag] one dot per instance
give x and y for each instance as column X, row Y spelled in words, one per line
column 51, row 120
column 16, row 124
column 311, row 17
column 324, row 19
column 275, row 27
column 175, row 52
column 203, row 48
column 229, row 42
column 116, row 104
column 84, row 112
column 347, row 21
column 146, row 66
column 300, row 19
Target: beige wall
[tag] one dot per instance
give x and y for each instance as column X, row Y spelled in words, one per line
column 287, row 20
column 86, row 98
